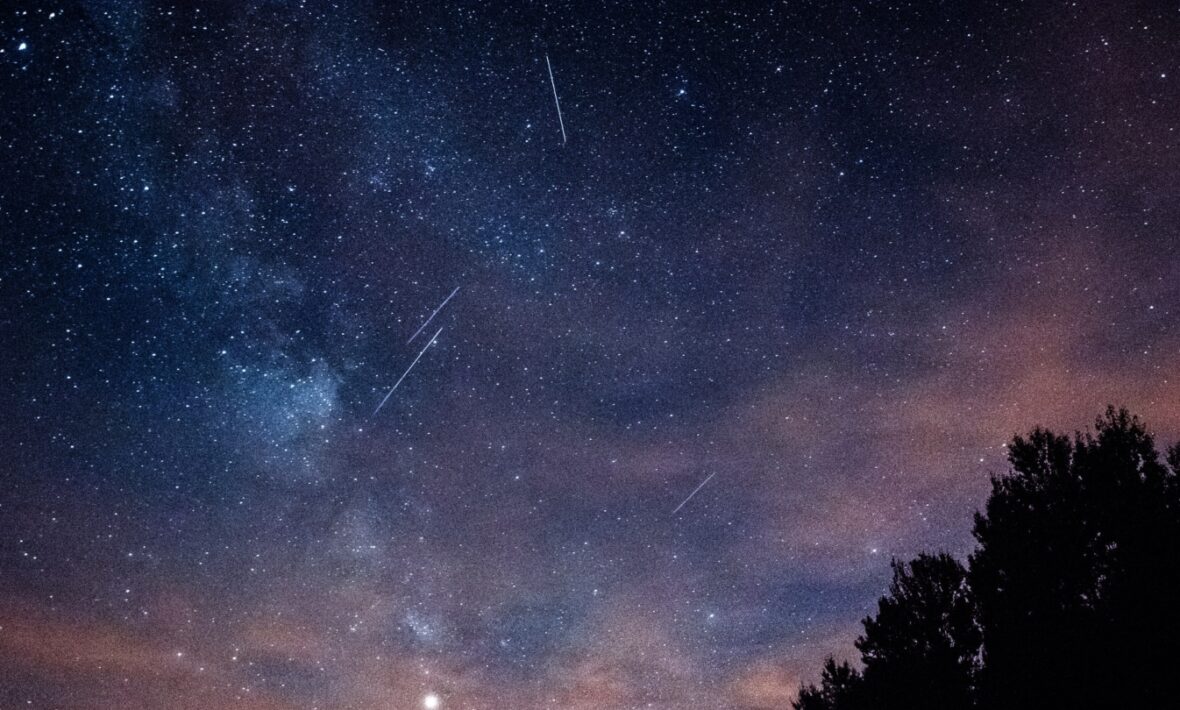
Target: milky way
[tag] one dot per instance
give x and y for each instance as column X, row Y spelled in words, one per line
column 832, row 257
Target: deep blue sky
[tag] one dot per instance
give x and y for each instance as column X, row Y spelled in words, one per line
column 833, row 254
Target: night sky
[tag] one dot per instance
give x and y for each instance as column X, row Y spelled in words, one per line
column 830, row 255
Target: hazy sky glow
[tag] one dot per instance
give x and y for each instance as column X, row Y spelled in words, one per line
column 832, row 257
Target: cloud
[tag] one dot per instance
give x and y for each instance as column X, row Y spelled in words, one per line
column 87, row 663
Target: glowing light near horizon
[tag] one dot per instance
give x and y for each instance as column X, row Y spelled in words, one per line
column 431, row 702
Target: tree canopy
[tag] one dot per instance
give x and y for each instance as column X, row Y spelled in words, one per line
column 1066, row 602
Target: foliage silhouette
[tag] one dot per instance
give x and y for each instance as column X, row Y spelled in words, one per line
column 840, row 687
column 920, row 651
column 1069, row 575
column 1066, row 602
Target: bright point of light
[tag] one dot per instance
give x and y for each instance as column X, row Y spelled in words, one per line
column 431, row 702
column 22, row 47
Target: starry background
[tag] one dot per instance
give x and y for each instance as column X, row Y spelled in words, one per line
column 834, row 255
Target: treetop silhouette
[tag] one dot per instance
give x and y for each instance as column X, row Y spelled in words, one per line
column 1063, row 604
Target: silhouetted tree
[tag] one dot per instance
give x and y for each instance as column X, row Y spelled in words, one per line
column 1074, row 548
column 839, row 689
column 1070, row 594
column 922, row 648
column 920, row 651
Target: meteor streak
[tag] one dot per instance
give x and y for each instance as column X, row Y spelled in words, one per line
column 694, row 492
column 432, row 315
column 411, row 367
column 555, row 101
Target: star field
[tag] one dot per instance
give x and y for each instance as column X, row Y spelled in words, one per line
column 832, row 255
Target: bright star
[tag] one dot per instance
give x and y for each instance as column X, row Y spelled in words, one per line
column 431, row 701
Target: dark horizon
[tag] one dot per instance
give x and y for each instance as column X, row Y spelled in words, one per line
column 755, row 314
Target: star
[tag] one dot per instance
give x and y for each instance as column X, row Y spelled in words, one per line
column 228, row 234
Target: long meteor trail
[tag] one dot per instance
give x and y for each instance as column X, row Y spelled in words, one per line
column 556, row 103
column 411, row 367
column 694, row 492
column 432, row 315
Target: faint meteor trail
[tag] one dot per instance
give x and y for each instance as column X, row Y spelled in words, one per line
column 694, row 492
column 432, row 315
column 411, row 367
column 556, row 103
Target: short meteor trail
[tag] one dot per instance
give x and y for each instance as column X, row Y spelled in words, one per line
column 411, row 367
column 432, row 315
column 555, row 101
column 694, row 492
